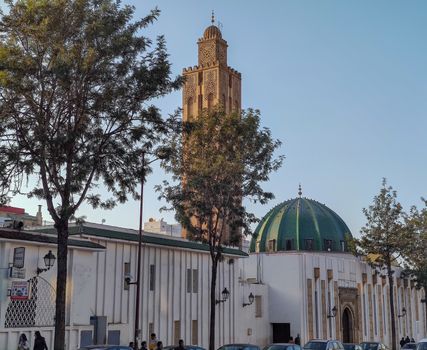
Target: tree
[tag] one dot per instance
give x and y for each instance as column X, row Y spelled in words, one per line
column 415, row 256
column 385, row 236
column 218, row 160
column 74, row 77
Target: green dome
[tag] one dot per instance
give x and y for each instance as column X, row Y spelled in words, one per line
column 300, row 224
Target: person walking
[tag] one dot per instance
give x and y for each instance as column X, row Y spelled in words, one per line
column 153, row 342
column 180, row 345
column 407, row 340
column 159, row 345
column 298, row 340
column 23, row 342
column 39, row 342
column 144, row 345
column 402, row 342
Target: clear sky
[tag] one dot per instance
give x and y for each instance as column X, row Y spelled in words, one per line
column 342, row 83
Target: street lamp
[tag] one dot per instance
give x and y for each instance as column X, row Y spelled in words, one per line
column 225, row 294
column 162, row 153
column 333, row 312
column 49, row 261
column 251, row 299
column 403, row 313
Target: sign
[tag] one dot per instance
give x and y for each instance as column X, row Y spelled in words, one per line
column 17, row 273
column 19, row 290
column 19, row 257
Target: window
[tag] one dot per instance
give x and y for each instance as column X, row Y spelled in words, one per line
column 113, row 337
column 289, row 244
column 188, row 280
column 200, row 78
column 126, row 274
column 194, row 332
column 210, row 101
column 343, row 246
column 152, row 277
column 195, row 281
column 258, row 306
column 230, row 81
column 328, row 244
column 200, row 102
column 309, row 244
column 230, row 104
column 192, row 280
column 272, row 245
column 190, row 107
column 176, row 331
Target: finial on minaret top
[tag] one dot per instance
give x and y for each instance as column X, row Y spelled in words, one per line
column 299, row 190
column 213, row 17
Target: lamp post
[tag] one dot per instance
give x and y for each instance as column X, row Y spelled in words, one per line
column 403, row 314
column 251, row 299
column 49, row 261
column 163, row 153
column 333, row 312
column 225, row 294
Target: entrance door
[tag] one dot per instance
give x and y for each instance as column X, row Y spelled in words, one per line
column 347, row 326
column 281, row 332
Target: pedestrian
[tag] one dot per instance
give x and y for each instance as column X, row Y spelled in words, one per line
column 23, row 342
column 402, row 342
column 291, row 340
column 298, row 340
column 153, row 342
column 407, row 340
column 39, row 342
column 144, row 345
column 180, row 345
column 159, row 345
column 412, row 340
column 131, row 344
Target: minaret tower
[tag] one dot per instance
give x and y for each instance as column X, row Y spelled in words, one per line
column 211, row 82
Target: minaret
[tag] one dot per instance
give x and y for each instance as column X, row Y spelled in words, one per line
column 211, row 82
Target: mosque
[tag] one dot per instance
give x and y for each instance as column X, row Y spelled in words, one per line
column 299, row 259
column 317, row 289
column 296, row 276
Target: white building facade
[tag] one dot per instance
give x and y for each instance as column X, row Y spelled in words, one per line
column 100, row 304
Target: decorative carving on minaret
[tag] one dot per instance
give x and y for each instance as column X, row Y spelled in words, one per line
column 190, row 86
column 210, row 79
column 207, row 53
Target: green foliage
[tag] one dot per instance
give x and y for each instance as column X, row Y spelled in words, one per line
column 416, row 255
column 385, row 240
column 74, row 78
column 385, row 235
column 220, row 159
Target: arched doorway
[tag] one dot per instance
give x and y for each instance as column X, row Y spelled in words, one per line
column 347, row 326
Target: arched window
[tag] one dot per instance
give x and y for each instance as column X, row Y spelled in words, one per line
column 190, row 107
column 200, row 103
column 210, row 102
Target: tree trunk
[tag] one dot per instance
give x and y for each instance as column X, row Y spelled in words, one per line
column 213, row 305
column 425, row 309
column 392, row 314
column 61, row 284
